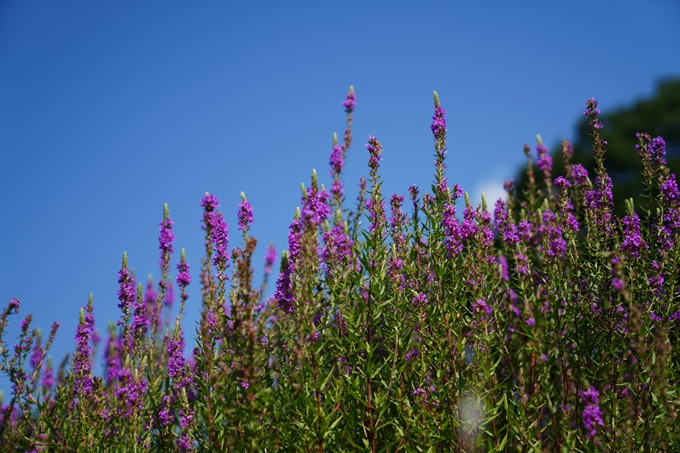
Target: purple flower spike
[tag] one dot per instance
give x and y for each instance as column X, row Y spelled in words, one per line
column 112, row 358
column 166, row 238
column 669, row 189
column 143, row 308
column 592, row 414
column 452, row 230
column 81, row 367
column 269, row 258
column 245, row 213
column 657, row 151
column 544, row 161
column 36, row 357
column 183, row 276
column 220, row 236
column 592, row 111
column 632, row 237
column 336, row 161
column 350, row 103
column 284, row 296
column 176, row 357
column 126, row 292
column 438, row 126
column 373, row 147
column 209, row 202
column 315, row 209
column 13, row 306
column 337, row 189
column 562, row 183
column 579, row 174
column 337, row 247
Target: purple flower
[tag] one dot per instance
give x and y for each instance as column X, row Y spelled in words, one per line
column 126, row 292
column 503, row 263
column 531, row 321
column 166, row 238
column 284, row 295
column 214, row 224
column 675, row 317
column 507, row 229
column 579, row 174
column 184, row 442
column 376, row 215
column 209, row 202
column 567, row 150
column 398, row 218
column 183, row 276
column 245, row 213
column 316, row 209
column 48, row 377
column 484, row 220
column 112, row 358
column 669, row 189
column 337, row 189
column 81, row 367
column 169, row 298
column 350, row 103
column 269, row 258
column 220, row 237
column 483, row 307
column 165, row 413
column 632, row 238
column 592, row 111
column 657, row 279
column 438, row 126
column 544, row 161
column 374, row 148
column 176, row 360
column 336, row 160
column 130, row 390
column 150, row 295
column 592, row 415
column 37, row 356
column 25, row 323
column 337, row 247
column 652, row 151
column 13, row 306
column 562, row 183
column 419, row 300
column 469, row 228
column 600, row 201
column 144, row 309
column 509, row 186
column 551, row 232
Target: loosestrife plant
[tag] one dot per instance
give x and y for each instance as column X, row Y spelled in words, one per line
column 540, row 323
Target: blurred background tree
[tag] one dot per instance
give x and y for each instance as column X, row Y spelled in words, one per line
column 658, row 115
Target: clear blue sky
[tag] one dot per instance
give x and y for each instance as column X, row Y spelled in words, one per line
column 110, row 109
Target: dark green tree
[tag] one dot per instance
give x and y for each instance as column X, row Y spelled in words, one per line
column 658, row 115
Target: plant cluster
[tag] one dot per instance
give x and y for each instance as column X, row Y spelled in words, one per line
column 548, row 324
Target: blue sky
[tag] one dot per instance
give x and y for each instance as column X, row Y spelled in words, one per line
column 109, row 110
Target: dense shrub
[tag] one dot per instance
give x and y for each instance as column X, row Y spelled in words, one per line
column 550, row 326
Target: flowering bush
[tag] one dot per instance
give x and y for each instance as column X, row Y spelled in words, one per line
column 550, row 326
